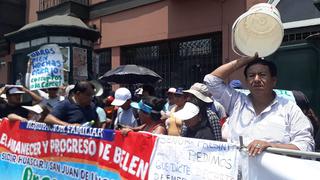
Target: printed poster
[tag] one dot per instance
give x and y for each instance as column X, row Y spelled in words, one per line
column 80, row 68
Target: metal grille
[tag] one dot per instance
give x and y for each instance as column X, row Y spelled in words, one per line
column 104, row 59
column 46, row 4
column 180, row 62
column 292, row 37
column 104, row 65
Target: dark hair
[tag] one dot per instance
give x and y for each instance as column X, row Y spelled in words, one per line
column 149, row 89
column 82, row 86
column 301, row 100
column 156, row 104
column 272, row 67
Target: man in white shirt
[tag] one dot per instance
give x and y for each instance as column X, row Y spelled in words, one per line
column 262, row 118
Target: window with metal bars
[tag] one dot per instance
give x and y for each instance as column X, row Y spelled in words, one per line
column 180, row 62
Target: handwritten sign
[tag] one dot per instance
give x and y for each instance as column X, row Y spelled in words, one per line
column 186, row 158
column 46, row 67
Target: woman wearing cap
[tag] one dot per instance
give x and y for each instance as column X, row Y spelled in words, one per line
column 173, row 123
column 200, row 92
column 194, row 116
column 149, row 113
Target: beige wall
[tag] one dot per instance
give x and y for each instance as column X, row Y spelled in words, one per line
column 143, row 24
column 170, row 19
column 31, row 11
column 95, row 1
column 253, row 2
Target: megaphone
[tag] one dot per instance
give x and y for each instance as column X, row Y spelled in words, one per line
column 98, row 88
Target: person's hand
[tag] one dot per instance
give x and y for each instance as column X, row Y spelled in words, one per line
column 74, row 124
column 22, row 88
column 257, row 146
column 125, row 131
column 3, row 90
column 250, row 58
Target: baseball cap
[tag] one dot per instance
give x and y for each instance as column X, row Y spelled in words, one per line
column 121, row 96
column 188, row 111
column 35, row 108
column 171, row 90
column 179, row 90
column 14, row 90
column 201, row 91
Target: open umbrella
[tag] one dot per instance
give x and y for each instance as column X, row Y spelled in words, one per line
column 130, row 74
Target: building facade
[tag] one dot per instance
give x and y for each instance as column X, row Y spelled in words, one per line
column 181, row 41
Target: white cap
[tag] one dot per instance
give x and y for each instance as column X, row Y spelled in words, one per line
column 121, row 96
column 188, row 111
column 172, row 90
column 15, row 90
column 36, row 108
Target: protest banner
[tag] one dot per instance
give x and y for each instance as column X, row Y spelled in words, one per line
column 30, row 150
column 272, row 166
column 46, row 68
column 186, row 158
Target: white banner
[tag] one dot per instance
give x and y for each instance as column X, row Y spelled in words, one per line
column 46, row 67
column 272, row 166
column 185, row 158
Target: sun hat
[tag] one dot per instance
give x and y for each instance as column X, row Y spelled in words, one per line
column 201, row 91
column 121, row 96
column 35, row 108
column 188, row 111
column 141, row 106
column 14, row 90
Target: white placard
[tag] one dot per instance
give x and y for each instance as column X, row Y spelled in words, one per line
column 187, row 158
column 46, row 67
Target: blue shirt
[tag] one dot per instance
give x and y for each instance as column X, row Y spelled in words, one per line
column 70, row 112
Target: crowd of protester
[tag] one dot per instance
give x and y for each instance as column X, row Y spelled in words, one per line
column 212, row 110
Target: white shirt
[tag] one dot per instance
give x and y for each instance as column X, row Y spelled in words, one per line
column 281, row 122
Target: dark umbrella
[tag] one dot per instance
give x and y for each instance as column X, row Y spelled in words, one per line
column 130, row 74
